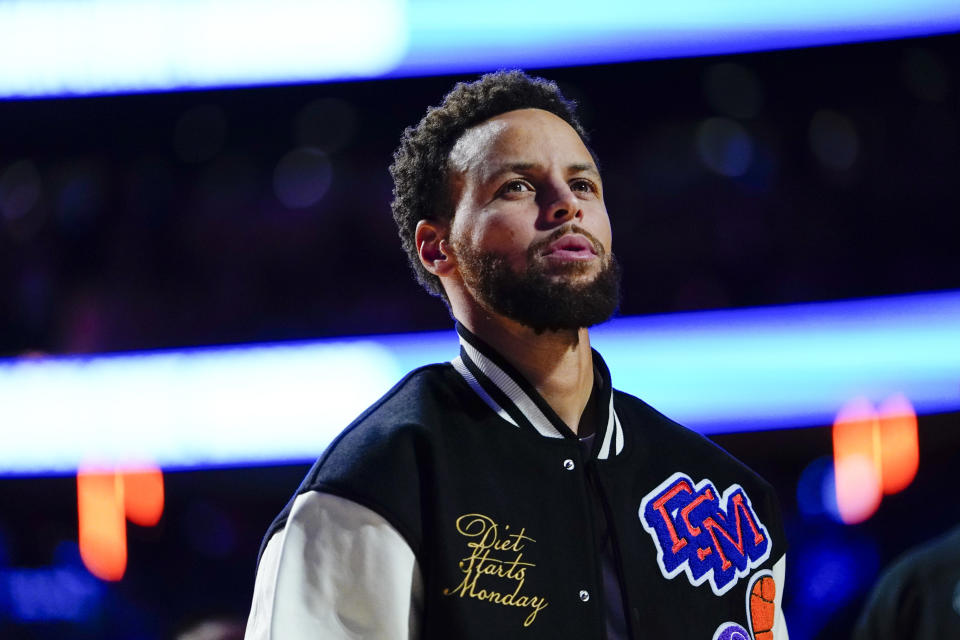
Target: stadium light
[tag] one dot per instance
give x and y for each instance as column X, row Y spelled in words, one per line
column 83, row 47
column 717, row 371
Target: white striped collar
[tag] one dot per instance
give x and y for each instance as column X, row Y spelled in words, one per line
column 515, row 400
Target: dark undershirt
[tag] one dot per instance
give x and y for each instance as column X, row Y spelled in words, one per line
column 612, row 596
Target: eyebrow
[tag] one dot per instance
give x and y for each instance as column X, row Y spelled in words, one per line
column 521, row 167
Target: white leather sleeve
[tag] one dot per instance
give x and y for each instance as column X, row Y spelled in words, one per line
column 779, row 622
column 337, row 570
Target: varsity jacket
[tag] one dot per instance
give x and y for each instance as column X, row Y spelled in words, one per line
column 459, row 506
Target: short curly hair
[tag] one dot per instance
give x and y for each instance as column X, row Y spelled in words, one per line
column 419, row 169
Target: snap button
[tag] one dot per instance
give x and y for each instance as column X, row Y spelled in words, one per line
column 568, row 464
column 584, row 595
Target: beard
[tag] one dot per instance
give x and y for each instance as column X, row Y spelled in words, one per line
column 542, row 300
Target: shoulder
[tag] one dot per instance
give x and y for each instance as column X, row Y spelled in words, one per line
column 416, row 401
column 656, row 432
column 413, row 398
column 922, row 563
column 912, row 589
column 668, row 454
column 393, row 427
column 374, row 463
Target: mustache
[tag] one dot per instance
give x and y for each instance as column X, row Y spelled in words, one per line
column 537, row 247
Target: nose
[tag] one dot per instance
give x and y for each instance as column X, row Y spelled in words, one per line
column 563, row 205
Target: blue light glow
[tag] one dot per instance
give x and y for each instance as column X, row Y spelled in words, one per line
column 549, row 33
column 63, row 592
column 817, row 491
column 715, row 371
column 790, row 365
column 829, row 569
column 70, row 47
column 76, row 47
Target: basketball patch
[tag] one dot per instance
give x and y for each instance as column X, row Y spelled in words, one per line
column 709, row 536
column 762, row 605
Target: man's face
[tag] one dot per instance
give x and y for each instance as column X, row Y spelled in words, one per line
column 530, row 230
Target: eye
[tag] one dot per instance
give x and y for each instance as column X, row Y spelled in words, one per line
column 515, row 186
column 583, row 185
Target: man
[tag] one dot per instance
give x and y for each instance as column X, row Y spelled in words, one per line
column 512, row 493
column 918, row 596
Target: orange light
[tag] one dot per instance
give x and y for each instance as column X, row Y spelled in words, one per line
column 143, row 495
column 856, row 459
column 103, row 534
column 874, row 453
column 105, row 499
column 899, row 446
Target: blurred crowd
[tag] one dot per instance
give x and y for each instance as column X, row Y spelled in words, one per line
column 150, row 221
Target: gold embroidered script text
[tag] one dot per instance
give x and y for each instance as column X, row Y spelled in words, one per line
column 500, row 558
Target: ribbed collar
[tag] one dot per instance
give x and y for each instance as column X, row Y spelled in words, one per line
column 515, row 400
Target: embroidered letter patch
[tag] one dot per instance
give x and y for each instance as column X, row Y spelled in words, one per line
column 709, row 536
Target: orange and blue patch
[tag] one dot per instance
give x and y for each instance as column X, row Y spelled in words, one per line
column 709, row 536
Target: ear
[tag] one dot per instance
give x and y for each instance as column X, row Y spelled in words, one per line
column 433, row 247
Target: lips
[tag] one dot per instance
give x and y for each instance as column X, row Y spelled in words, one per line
column 571, row 245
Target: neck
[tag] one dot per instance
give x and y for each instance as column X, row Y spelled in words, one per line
column 559, row 364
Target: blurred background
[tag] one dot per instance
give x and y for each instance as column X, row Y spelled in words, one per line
column 144, row 219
